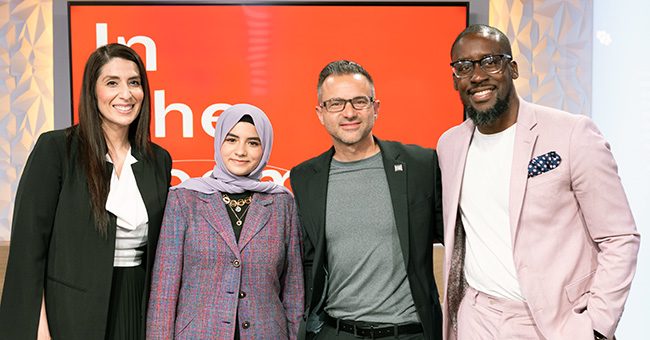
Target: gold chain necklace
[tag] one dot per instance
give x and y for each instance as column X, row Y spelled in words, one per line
column 237, row 204
column 235, row 207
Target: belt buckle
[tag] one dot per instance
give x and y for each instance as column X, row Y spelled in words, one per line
column 363, row 331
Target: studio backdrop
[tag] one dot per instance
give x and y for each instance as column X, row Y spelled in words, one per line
column 201, row 58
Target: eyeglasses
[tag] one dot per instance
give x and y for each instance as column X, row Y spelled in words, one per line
column 489, row 64
column 337, row 104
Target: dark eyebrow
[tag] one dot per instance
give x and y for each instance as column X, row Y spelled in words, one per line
column 230, row 134
column 481, row 58
column 109, row 77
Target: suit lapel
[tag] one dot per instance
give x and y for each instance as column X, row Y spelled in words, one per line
column 317, row 197
column 458, row 170
column 149, row 192
column 258, row 215
column 525, row 138
column 454, row 233
column 214, row 212
column 396, row 172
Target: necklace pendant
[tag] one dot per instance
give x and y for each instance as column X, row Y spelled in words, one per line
column 238, row 209
column 238, row 223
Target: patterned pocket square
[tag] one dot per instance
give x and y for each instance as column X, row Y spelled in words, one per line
column 543, row 163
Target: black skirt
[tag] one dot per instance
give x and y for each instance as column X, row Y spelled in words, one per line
column 125, row 309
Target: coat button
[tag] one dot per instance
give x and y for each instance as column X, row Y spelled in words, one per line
column 242, row 295
column 235, row 263
column 245, row 324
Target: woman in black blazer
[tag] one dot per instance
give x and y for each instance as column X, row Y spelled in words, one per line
column 87, row 214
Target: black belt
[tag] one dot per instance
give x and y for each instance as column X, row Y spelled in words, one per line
column 362, row 329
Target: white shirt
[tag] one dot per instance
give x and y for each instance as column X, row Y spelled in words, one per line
column 125, row 202
column 484, row 206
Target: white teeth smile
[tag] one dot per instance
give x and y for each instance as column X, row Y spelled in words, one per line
column 123, row 108
column 482, row 93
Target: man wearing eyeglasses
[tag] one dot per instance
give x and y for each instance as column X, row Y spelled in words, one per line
column 371, row 212
column 541, row 242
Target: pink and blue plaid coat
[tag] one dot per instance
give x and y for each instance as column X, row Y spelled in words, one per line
column 202, row 278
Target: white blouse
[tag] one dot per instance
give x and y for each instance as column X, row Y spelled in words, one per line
column 125, row 201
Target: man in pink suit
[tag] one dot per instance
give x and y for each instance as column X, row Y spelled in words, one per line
column 540, row 240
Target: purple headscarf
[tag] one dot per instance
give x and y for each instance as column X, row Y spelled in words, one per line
column 223, row 180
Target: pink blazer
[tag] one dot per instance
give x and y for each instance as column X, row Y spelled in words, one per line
column 202, row 276
column 574, row 239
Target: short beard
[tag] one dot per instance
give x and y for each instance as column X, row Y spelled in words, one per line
column 489, row 116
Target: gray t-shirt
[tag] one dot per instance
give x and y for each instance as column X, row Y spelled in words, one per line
column 367, row 275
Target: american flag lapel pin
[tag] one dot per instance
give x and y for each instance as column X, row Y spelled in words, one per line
column 399, row 167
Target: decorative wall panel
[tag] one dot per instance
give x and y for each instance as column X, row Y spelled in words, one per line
column 26, row 91
column 552, row 44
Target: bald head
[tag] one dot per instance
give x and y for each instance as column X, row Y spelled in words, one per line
column 486, row 31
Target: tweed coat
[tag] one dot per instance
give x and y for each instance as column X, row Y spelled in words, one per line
column 56, row 248
column 203, row 280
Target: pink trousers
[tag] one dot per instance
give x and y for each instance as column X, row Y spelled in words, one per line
column 482, row 317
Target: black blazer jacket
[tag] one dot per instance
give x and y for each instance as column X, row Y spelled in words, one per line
column 56, row 249
column 414, row 182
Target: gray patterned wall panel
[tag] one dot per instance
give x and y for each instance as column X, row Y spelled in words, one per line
column 552, row 44
column 26, row 91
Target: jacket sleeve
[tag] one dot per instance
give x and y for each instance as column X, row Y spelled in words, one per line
column 438, row 235
column 293, row 292
column 167, row 271
column 609, row 221
column 34, row 211
column 168, row 167
column 308, row 246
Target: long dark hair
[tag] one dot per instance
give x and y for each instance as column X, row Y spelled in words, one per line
column 92, row 143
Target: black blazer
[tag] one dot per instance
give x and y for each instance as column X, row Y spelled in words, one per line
column 55, row 246
column 414, row 182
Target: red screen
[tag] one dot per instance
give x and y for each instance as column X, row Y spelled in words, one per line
column 202, row 58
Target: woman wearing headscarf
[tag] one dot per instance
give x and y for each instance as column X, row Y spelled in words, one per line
column 87, row 214
column 229, row 262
